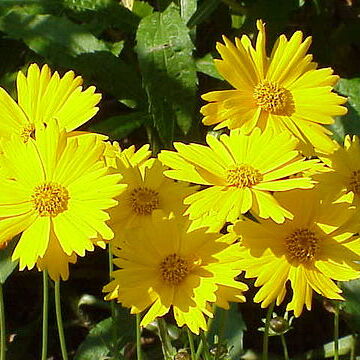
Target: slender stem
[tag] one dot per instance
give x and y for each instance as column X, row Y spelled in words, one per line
column 2, row 325
column 138, row 337
column 283, row 343
column 191, row 344
column 336, row 331
column 45, row 317
column 59, row 321
column 266, row 332
column 199, row 350
column 164, row 337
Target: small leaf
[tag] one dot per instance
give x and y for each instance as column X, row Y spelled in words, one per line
column 233, row 329
column 164, row 51
column 349, row 123
column 98, row 342
column 207, row 66
column 6, row 265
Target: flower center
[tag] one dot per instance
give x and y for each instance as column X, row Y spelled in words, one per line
column 243, row 175
column 50, row 199
column 354, row 184
column 143, row 200
column 302, row 245
column 273, row 98
column 174, row 269
column 27, row 132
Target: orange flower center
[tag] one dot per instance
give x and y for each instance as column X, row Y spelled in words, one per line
column 354, row 184
column 144, row 200
column 174, row 269
column 273, row 99
column 243, row 175
column 50, row 199
column 302, row 245
column 27, row 132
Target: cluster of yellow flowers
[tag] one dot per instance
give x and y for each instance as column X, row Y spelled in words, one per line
column 273, row 196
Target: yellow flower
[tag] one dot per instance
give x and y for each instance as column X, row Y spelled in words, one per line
column 147, row 189
column 128, row 156
column 42, row 97
column 284, row 92
column 309, row 251
column 163, row 266
column 55, row 190
column 342, row 180
column 240, row 172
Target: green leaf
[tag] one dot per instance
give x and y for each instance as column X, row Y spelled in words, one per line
column 103, row 14
column 142, row 8
column 70, row 45
column 6, row 265
column 351, row 89
column 205, row 9
column 351, row 293
column 231, row 324
column 207, row 66
column 117, row 127
column 98, row 342
column 168, row 70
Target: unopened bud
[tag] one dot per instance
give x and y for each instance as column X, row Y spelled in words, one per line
column 279, row 325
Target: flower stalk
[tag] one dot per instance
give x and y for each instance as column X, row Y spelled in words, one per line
column 59, row 321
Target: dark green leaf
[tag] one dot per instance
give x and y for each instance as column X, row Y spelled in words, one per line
column 231, row 324
column 351, row 293
column 6, row 265
column 117, row 127
column 97, row 344
column 168, row 69
column 70, row 45
column 102, row 14
column 205, row 9
column 350, row 123
column 206, row 66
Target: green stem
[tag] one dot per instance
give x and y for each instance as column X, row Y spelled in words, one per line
column 138, row 337
column 266, row 332
column 199, row 350
column 45, row 317
column 191, row 344
column 283, row 343
column 164, row 337
column 336, row 331
column 59, row 321
column 2, row 325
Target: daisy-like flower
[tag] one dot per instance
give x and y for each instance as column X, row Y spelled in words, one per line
column 240, row 172
column 147, row 189
column 129, row 156
column 55, row 190
column 284, row 92
column 163, row 266
column 310, row 251
column 342, row 180
column 43, row 96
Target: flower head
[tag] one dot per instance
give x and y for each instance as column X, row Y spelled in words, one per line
column 55, row 191
column 240, row 172
column 164, row 266
column 309, row 251
column 284, row 92
column 43, row 96
column 342, row 180
column 147, row 190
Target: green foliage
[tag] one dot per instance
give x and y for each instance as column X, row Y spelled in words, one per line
column 168, row 70
column 6, row 265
